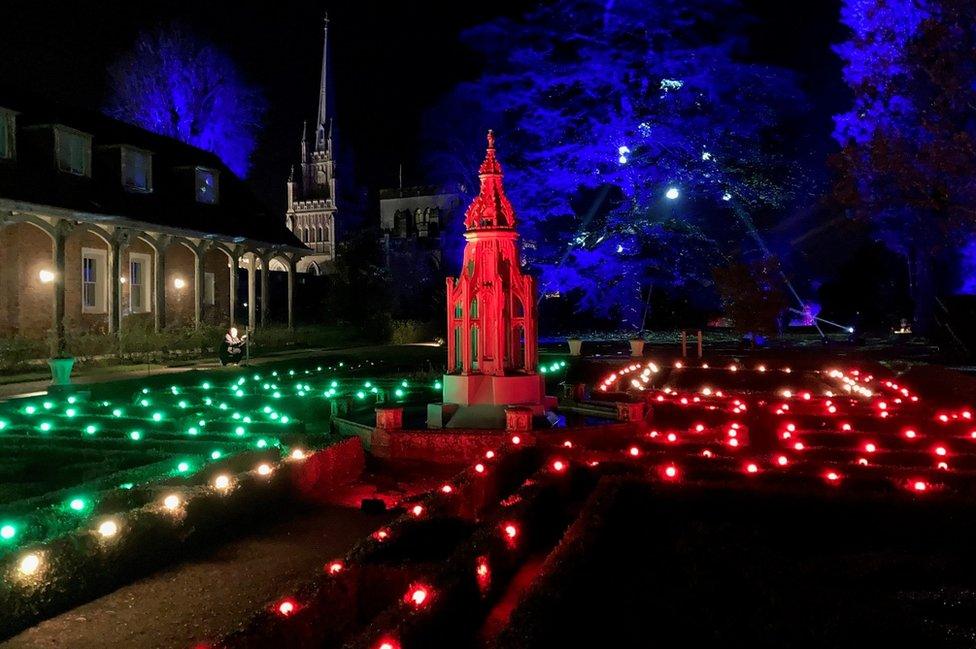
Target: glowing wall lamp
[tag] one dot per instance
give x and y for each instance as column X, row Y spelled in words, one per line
column 46, row 276
column 179, row 282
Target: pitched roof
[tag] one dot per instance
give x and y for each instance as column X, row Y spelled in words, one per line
column 33, row 177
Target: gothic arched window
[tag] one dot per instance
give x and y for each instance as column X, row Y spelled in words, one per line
column 518, row 308
column 458, row 349
column 474, row 348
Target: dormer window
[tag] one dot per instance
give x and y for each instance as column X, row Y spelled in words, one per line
column 136, row 169
column 7, row 129
column 73, row 151
column 206, row 185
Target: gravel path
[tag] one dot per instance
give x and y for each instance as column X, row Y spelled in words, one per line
column 209, row 595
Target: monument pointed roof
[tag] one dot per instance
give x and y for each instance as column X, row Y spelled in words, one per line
column 490, row 208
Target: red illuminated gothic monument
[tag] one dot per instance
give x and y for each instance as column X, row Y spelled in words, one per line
column 491, row 315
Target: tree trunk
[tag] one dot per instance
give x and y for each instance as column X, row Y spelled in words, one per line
column 923, row 291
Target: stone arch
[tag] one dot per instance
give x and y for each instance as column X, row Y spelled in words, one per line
column 26, row 247
column 275, row 264
column 518, row 307
column 216, row 285
column 29, row 219
column 179, row 259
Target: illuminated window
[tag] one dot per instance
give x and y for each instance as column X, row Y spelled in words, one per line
column 139, row 296
column 458, row 310
column 209, row 289
column 93, row 280
column 207, row 189
column 474, row 308
column 73, row 151
column 7, row 142
column 136, row 169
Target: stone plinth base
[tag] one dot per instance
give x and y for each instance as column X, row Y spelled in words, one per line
column 480, row 401
column 481, row 390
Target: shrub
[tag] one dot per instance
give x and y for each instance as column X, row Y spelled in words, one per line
column 17, row 351
column 412, row 331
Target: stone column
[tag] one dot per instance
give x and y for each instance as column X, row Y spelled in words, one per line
column 251, row 292
column 159, row 285
column 291, row 294
column 265, row 291
column 116, row 248
column 59, row 343
column 232, row 293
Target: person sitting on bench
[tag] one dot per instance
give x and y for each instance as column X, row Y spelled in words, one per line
column 233, row 348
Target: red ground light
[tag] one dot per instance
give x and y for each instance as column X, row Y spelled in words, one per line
column 482, row 571
column 418, row 595
column 286, row 607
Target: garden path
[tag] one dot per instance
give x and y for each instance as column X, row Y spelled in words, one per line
column 207, row 596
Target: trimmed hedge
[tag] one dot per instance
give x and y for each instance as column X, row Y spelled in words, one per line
column 81, row 565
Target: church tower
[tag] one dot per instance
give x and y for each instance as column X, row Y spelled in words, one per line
column 491, row 308
column 311, row 191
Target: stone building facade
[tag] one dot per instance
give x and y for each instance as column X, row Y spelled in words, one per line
column 421, row 212
column 311, row 188
column 104, row 224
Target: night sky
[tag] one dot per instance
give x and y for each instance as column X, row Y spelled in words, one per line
column 390, row 60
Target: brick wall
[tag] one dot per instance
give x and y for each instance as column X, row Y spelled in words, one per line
column 179, row 301
column 26, row 304
column 216, row 262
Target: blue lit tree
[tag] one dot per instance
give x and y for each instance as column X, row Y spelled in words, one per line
column 175, row 84
column 908, row 160
column 600, row 109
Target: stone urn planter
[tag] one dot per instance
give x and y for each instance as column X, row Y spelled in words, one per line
column 637, row 347
column 61, row 370
column 575, row 345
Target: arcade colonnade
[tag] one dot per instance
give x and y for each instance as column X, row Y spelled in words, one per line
column 64, row 272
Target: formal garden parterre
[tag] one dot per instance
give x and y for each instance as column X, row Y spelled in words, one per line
column 552, row 533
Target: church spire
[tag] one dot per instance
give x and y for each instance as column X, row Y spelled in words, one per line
column 323, row 108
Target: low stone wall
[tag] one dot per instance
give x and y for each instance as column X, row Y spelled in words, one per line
column 453, row 446
column 349, row 428
column 337, row 465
